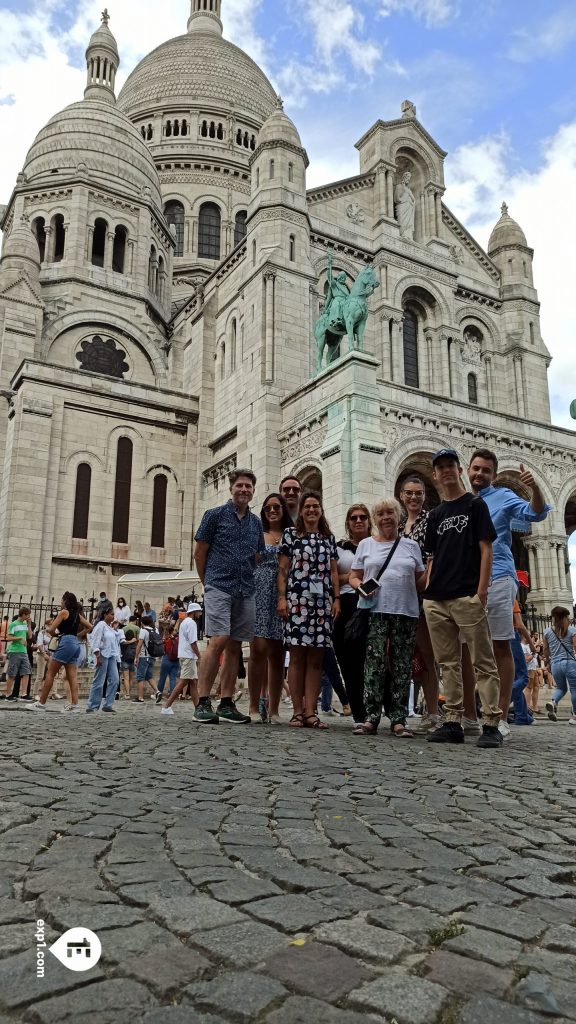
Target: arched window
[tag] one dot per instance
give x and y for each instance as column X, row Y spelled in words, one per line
column 122, row 489
column 246, row 139
column 59, row 237
column 272, row 168
column 472, row 389
column 233, row 341
column 239, row 137
column 204, row 130
column 174, row 214
column 176, row 127
column 223, row 360
column 82, row 501
column 252, row 142
column 184, row 127
column 159, row 511
column 530, row 328
column 149, row 132
column 161, row 278
column 152, row 269
column 99, row 241
column 257, row 177
column 254, row 253
column 292, row 248
column 39, row 229
column 168, row 130
column 290, row 172
column 119, row 249
column 143, row 132
column 410, row 332
column 212, row 130
column 240, row 226
column 209, row 232
column 220, row 132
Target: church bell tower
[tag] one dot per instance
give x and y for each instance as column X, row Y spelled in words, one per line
column 205, row 16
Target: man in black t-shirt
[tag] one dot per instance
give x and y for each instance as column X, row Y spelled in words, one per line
column 459, row 537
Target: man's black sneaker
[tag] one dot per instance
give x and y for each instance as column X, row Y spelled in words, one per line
column 158, row 696
column 205, row 713
column 449, row 732
column 227, row 712
column 491, row 737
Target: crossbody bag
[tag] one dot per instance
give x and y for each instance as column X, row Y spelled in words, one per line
column 356, row 628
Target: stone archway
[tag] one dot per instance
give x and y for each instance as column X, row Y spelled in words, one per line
column 421, row 463
column 311, row 479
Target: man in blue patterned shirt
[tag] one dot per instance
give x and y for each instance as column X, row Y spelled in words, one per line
column 228, row 543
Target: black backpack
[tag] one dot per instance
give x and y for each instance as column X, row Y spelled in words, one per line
column 155, row 645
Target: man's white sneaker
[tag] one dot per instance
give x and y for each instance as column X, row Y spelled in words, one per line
column 428, row 723
column 504, row 730
column 471, row 727
column 70, row 707
column 166, row 711
column 572, row 721
column 36, row 706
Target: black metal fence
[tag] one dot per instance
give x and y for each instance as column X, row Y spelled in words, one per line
column 40, row 611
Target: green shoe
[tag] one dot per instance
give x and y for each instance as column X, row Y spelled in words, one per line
column 205, row 713
column 227, row 712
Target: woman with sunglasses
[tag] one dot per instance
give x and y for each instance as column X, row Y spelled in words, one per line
column 413, row 524
column 266, row 673
column 308, row 601
column 350, row 656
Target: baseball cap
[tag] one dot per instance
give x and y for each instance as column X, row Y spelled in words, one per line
column 193, row 607
column 445, row 453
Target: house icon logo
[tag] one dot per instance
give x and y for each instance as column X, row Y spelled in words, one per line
column 78, row 949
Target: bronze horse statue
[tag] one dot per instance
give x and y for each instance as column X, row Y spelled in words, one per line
column 349, row 318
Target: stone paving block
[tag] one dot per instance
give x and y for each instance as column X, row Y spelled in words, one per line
column 167, row 971
column 506, row 920
column 561, row 939
column 487, row 1010
column 292, row 913
column 242, row 888
column 350, row 899
column 564, row 993
column 300, row 1010
column 68, row 913
column 405, row 997
column 12, row 911
column 317, row 970
column 413, row 921
column 364, row 940
column 185, row 915
column 14, row 937
column 118, row 943
column 17, row 976
column 150, row 872
column 240, row 996
column 178, row 1015
column 240, row 944
column 484, row 945
column 560, row 911
column 142, row 892
column 539, row 885
column 466, row 976
column 117, row 1001
column 439, row 897
column 545, row 962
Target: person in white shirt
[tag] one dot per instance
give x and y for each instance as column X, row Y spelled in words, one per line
column 122, row 613
column 42, row 658
column 188, row 656
column 104, row 641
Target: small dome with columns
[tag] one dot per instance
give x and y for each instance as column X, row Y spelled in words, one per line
column 506, row 232
column 279, row 128
column 102, row 61
column 20, row 250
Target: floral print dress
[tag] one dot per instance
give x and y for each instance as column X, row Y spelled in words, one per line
column 309, row 588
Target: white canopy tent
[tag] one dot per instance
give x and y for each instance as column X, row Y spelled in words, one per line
column 155, row 587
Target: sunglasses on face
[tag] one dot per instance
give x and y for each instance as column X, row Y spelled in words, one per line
column 413, row 494
column 296, row 490
column 312, row 508
column 273, row 508
column 358, row 519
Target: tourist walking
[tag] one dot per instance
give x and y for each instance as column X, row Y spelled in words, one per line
column 308, row 601
column 149, row 647
column 169, row 665
column 19, row 633
column 128, row 646
column 459, row 538
column 350, row 654
column 505, row 507
column 104, row 642
column 560, row 650
column 188, row 657
column 228, row 542
column 393, row 617
column 413, row 523
column 68, row 624
column 266, row 671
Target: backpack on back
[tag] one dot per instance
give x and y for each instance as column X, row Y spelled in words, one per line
column 171, row 648
column 155, row 645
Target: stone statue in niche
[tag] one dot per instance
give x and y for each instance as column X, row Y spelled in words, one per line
column 472, row 347
column 405, row 206
column 99, row 356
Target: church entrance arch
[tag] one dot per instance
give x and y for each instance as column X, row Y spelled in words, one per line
column 420, row 463
column 310, row 478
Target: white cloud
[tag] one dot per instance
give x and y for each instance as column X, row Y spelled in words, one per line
column 546, row 39
column 432, row 12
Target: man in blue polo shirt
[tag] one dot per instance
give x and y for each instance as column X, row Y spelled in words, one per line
column 228, row 542
column 504, row 506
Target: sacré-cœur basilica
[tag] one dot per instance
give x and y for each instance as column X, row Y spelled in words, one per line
column 163, row 271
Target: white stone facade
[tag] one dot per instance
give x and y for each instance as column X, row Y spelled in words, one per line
column 162, row 271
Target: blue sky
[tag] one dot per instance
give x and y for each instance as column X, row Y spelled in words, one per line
column 493, row 82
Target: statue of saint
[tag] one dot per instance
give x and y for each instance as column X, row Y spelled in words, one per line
column 405, row 206
column 338, row 292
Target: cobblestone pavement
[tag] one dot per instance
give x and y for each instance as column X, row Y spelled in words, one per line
column 265, row 874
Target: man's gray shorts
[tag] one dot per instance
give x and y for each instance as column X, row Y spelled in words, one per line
column 229, row 616
column 500, row 607
column 18, row 664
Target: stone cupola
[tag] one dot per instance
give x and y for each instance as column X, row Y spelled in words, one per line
column 205, row 16
column 102, row 63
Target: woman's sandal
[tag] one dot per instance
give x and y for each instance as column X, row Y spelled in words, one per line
column 297, row 721
column 369, row 729
column 402, row 733
column 313, row 722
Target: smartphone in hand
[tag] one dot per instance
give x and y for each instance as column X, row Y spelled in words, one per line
column 369, row 587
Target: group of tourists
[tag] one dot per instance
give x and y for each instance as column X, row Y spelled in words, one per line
column 406, row 594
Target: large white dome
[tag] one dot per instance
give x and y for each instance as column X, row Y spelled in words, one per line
column 199, row 69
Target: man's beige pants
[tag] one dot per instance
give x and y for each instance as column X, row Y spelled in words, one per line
column 463, row 620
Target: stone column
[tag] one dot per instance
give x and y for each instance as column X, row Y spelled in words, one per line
column 431, row 211
column 561, row 566
column 398, row 351
column 424, row 366
column 131, row 247
column 49, row 245
column 109, row 250
column 534, row 582
column 454, row 374
column 444, row 365
column 488, row 380
column 423, row 217
column 269, row 279
column 438, row 203
column 390, row 193
column 381, row 194
column 386, row 354
column 541, row 567
column 519, row 385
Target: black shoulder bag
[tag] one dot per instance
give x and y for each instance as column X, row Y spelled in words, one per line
column 356, row 629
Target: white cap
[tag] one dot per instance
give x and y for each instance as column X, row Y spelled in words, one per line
column 193, row 607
